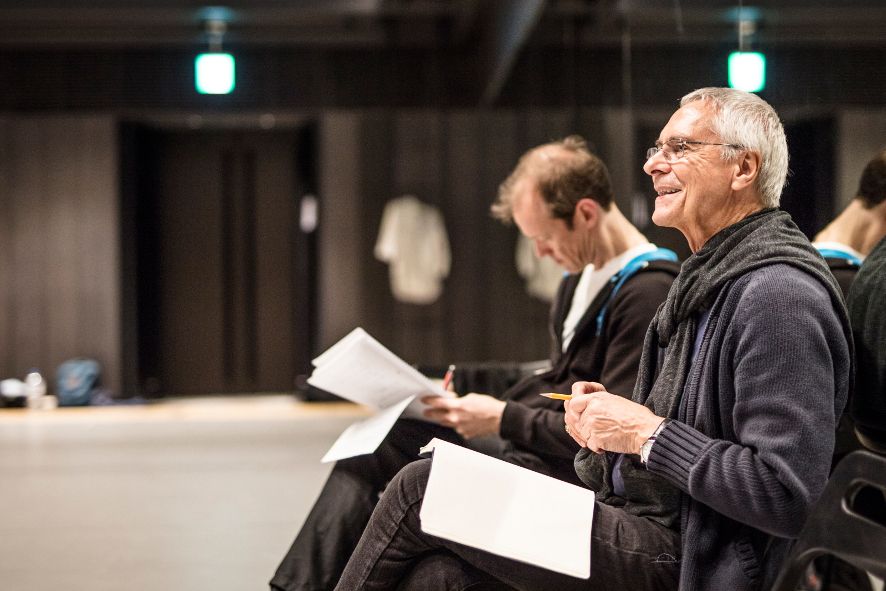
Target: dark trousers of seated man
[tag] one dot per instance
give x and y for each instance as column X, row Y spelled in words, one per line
column 335, row 523
column 627, row 552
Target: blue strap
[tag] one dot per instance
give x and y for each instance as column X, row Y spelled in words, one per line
column 629, row 270
column 833, row 253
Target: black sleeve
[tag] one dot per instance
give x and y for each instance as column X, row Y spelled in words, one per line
column 867, row 313
column 628, row 316
column 539, row 429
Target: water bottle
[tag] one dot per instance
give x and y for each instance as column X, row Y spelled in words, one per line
column 35, row 389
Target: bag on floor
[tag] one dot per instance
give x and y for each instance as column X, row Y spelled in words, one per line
column 75, row 381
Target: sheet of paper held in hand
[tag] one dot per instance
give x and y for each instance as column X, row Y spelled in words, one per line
column 490, row 504
column 360, row 369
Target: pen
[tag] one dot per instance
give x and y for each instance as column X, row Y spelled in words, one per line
column 447, row 379
column 556, row 396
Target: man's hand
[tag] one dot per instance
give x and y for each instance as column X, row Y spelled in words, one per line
column 473, row 415
column 602, row 421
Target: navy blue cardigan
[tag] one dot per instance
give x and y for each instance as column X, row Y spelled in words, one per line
column 751, row 448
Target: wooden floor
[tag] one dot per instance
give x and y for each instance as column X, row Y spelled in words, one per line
column 191, row 495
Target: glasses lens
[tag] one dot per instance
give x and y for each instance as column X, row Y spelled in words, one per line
column 678, row 149
column 651, row 152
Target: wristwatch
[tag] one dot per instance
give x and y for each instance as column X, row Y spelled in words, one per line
column 647, row 445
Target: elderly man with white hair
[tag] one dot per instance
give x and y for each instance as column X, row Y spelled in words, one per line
column 708, row 471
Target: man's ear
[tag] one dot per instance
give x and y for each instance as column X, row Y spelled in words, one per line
column 587, row 213
column 747, row 168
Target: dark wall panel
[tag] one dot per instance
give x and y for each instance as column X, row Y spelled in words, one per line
column 280, row 326
column 61, row 277
column 342, row 292
column 467, row 216
column 375, row 182
column 419, row 164
column 7, row 353
column 505, row 334
column 191, row 211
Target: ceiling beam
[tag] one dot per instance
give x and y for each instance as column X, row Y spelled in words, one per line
column 507, row 29
column 466, row 14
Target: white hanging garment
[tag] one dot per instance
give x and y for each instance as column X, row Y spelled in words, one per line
column 412, row 240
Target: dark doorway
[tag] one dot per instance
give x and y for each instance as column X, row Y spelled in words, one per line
column 225, row 274
column 809, row 194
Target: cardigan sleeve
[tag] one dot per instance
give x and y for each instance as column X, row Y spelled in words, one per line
column 782, row 365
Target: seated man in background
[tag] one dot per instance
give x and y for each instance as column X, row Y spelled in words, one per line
column 560, row 197
column 849, row 238
column 867, row 311
column 844, row 243
column 708, row 472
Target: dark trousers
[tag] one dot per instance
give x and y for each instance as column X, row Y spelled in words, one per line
column 334, row 525
column 627, row 552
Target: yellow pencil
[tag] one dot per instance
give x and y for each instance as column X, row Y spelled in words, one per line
column 556, row 396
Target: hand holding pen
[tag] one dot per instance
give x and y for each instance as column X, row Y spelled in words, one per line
column 602, row 421
column 447, row 379
column 447, row 385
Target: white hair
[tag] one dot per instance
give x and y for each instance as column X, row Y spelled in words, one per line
column 746, row 120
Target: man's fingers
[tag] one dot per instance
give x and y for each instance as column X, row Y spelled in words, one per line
column 579, row 439
column 434, row 400
column 579, row 388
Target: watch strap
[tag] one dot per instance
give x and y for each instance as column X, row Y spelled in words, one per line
column 646, row 448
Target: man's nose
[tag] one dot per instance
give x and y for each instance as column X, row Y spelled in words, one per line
column 655, row 164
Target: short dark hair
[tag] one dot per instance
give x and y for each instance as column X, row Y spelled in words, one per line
column 564, row 172
column 872, row 186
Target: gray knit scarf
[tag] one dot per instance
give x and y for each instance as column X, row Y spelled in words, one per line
column 764, row 238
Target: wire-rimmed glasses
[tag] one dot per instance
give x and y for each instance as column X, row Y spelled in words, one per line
column 675, row 148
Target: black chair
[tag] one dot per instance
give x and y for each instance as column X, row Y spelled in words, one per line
column 846, row 522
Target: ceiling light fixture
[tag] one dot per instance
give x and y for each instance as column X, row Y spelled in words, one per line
column 747, row 69
column 214, row 71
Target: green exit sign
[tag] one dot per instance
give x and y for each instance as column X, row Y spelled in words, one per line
column 214, row 73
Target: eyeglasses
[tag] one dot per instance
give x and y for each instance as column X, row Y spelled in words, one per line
column 675, row 148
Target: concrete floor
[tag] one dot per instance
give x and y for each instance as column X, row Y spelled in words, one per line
column 188, row 495
column 185, row 495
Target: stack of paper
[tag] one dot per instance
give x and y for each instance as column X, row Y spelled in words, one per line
column 487, row 503
column 360, row 369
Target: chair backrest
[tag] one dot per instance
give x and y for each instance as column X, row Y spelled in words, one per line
column 842, row 525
